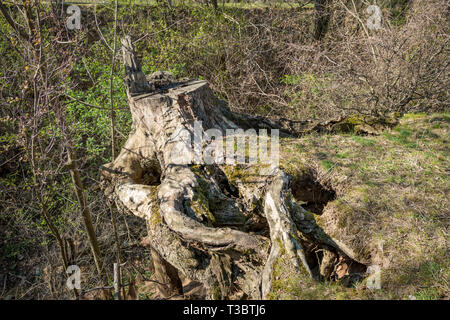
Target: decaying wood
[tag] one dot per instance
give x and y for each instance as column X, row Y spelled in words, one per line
column 228, row 235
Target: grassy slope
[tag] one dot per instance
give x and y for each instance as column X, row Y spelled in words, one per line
column 392, row 205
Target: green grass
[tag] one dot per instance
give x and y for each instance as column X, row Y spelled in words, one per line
column 327, row 164
column 392, row 191
column 364, row 141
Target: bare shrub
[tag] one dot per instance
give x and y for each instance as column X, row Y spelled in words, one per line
column 269, row 62
column 396, row 69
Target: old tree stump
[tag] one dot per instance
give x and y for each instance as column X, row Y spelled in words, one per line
column 201, row 222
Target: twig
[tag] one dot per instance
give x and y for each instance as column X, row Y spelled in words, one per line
column 98, row 27
column 88, row 104
column 111, row 88
column 116, row 281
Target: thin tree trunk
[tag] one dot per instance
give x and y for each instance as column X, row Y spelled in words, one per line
column 79, row 191
column 322, row 15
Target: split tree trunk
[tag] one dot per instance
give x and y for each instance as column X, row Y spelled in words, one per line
column 228, row 233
